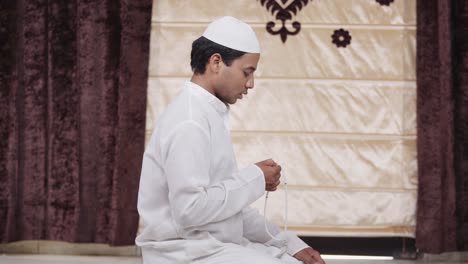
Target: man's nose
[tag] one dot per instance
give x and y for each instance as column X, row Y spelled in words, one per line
column 250, row 83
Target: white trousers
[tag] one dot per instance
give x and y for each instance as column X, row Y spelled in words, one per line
column 211, row 251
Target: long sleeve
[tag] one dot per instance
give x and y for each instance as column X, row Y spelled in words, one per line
column 254, row 230
column 196, row 197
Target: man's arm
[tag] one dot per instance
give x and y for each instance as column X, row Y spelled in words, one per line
column 194, row 199
column 254, row 230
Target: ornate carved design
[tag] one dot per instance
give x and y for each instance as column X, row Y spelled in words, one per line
column 384, row 2
column 284, row 11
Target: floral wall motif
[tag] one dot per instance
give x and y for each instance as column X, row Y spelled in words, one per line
column 341, row 38
column 287, row 10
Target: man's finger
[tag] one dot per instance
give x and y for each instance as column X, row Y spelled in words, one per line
column 316, row 256
column 277, row 169
column 273, row 185
column 269, row 162
column 278, row 182
column 277, row 176
column 309, row 260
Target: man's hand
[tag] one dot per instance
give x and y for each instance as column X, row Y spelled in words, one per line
column 272, row 173
column 309, row 256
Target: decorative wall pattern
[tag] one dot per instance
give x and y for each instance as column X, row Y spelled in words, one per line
column 334, row 104
column 384, row 2
column 341, row 38
column 284, row 10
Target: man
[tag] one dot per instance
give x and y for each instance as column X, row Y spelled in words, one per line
column 193, row 200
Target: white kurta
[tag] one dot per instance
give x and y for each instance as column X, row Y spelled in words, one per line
column 191, row 188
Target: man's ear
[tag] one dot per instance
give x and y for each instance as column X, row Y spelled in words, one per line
column 215, row 62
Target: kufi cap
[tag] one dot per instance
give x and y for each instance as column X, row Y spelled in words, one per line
column 233, row 33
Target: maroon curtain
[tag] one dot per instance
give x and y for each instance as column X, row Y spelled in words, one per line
column 73, row 78
column 442, row 108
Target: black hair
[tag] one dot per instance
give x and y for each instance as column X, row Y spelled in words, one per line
column 203, row 48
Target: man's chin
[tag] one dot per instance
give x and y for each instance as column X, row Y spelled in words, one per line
column 232, row 101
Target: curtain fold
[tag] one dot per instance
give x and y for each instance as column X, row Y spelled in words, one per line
column 73, row 103
column 461, row 120
column 442, row 101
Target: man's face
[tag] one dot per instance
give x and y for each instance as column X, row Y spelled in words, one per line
column 235, row 80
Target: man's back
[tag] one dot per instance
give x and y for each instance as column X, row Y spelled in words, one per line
column 172, row 205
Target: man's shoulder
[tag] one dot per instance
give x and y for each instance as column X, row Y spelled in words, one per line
column 183, row 109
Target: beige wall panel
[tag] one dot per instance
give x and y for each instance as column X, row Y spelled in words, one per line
column 310, row 54
column 317, row 11
column 410, row 166
column 408, row 113
column 408, row 54
column 170, row 50
column 334, row 161
column 341, row 121
column 161, row 91
column 374, row 54
column 353, row 107
column 356, row 231
column 338, row 210
column 310, row 105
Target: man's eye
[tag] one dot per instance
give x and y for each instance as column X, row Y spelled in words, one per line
column 246, row 74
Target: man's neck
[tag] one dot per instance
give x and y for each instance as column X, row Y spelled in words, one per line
column 203, row 82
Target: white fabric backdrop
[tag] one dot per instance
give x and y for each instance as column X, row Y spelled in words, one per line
column 341, row 121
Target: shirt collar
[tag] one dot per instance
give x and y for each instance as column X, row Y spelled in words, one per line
column 217, row 104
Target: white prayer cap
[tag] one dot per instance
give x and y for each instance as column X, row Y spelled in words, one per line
column 233, row 33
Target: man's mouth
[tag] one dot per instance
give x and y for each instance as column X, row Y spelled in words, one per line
column 241, row 95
